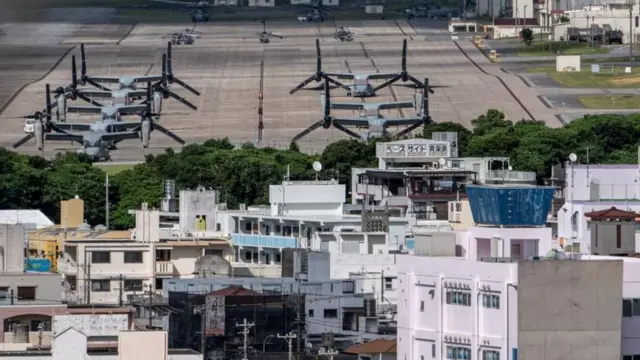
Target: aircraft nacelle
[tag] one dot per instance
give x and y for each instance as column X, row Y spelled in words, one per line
column 418, row 101
column 61, row 108
column 157, row 102
column 145, row 132
column 38, row 130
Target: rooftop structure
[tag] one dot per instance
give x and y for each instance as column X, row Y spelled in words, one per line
column 35, row 217
column 418, row 176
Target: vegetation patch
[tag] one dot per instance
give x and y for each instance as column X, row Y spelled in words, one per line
column 549, row 48
column 611, row 101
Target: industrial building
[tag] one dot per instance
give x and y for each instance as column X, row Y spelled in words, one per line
column 532, row 309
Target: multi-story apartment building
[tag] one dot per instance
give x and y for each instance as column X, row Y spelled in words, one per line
column 534, row 309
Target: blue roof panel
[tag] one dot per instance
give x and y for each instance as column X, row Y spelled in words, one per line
column 510, row 205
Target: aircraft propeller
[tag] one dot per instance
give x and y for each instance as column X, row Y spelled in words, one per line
column 42, row 125
column 319, row 74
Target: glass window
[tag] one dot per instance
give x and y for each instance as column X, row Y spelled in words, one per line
column 26, row 292
column 490, row 355
column 133, row 285
column 627, row 308
column 422, row 306
column 133, row 257
column 101, row 285
column 100, row 257
column 636, row 306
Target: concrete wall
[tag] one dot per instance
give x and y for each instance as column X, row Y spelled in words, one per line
column 307, row 198
column 604, row 237
column 615, row 182
column 48, row 289
column 434, row 243
column 92, row 325
column 12, row 245
column 69, row 345
column 142, row 345
column 194, row 203
column 569, row 310
column 566, row 63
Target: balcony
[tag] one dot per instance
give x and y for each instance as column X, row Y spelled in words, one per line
column 377, row 191
column 164, row 268
column 265, row 241
column 512, row 176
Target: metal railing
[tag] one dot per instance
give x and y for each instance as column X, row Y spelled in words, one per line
column 507, row 175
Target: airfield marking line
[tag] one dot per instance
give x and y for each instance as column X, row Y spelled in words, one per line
column 127, row 34
column 21, row 89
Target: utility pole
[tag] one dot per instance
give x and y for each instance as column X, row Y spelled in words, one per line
column 106, row 204
column 203, row 331
column 288, row 338
column 298, row 313
column 150, row 306
column 245, row 332
column 120, row 288
column 87, row 286
column 328, row 353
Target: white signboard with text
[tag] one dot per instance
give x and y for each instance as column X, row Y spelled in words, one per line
column 92, row 325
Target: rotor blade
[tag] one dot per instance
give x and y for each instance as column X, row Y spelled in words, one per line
column 347, row 131
column 149, row 100
column 170, row 134
column 327, row 98
column 89, row 100
column 169, row 66
column 408, row 130
column 55, row 128
column 83, row 61
column 183, row 100
column 99, row 86
column 404, row 55
column 74, row 73
column 418, row 82
column 319, row 55
column 337, row 83
column 48, row 103
column 303, row 84
column 23, row 140
column 308, row 130
column 387, row 83
column 186, row 86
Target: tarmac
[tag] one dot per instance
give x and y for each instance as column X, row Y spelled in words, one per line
column 225, row 66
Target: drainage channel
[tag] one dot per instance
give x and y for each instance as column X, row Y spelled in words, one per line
column 373, row 63
column 260, row 102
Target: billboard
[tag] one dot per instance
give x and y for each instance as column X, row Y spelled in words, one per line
column 510, row 205
column 37, row 265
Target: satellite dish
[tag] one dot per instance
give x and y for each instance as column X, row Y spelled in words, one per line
column 317, row 166
column 573, row 157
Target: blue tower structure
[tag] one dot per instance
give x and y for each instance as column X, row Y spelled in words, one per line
column 510, row 206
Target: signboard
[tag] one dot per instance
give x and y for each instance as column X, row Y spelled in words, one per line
column 37, row 265
column 595, row 68
column 92, row 325
column 428, row 150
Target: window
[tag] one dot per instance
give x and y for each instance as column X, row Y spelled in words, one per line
column 388, row 283
column 133, row 285
column 100, row 257
column 491, row 301
column 35, row 325
column 248, row 255
column 159, row 283
column 72, row 281
column 596, row 237
column 422, row 306
column 433, row 351
column 100, row 285
column 458, row 353
column 278, row 258
column 26, row 292
column 213, row 252
column 330, row 313
column 490, row 355
column 247, row 226
column 163, row 255
column 618, row 236
column 459, row 298
column 132, row 257
column 310, row 312
column 635, row 303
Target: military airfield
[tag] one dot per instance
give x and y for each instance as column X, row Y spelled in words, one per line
column 227, row 66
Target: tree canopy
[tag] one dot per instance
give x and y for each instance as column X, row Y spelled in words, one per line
column 243, row 174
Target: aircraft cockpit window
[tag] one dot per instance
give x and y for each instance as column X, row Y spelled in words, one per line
column 361, row 82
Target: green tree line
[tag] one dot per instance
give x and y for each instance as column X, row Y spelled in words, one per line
column 242, row 175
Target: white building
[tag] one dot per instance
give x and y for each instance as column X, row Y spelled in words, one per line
column 591, row 188
column 309, row 215
column 545, row 309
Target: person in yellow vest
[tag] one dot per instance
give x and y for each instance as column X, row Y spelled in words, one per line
column 201, row 223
